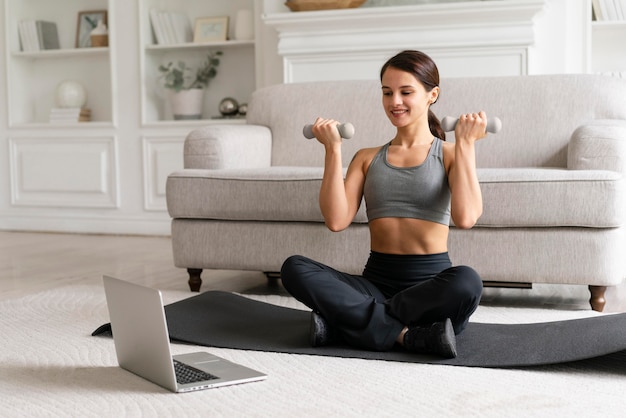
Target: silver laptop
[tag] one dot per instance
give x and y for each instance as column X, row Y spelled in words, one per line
column 143, row 347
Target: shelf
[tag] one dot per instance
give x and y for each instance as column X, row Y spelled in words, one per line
column 194, row 123
column 74, row 125
column 198, row 46
column 61, row 53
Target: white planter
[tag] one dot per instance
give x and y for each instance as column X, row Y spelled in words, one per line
column 187, row 104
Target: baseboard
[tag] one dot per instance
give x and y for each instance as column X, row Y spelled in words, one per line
column 86, row 224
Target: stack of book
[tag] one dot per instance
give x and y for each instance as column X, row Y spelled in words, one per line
column 69, row 114
column 609, row 9
column 36, row 35
column 171, row 28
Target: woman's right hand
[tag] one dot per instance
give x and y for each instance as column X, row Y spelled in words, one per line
column 326, row 132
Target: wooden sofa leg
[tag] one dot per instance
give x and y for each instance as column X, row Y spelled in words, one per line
column 195, row 281
column 272, row 278
column 597, row 297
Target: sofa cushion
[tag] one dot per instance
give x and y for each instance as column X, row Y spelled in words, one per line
column 263, row 194
column 544, row 197
column 512, row 197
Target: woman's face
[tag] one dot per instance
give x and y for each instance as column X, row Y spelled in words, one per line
column 405, row 99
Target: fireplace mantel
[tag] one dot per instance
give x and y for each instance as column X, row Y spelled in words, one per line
column 467, row 38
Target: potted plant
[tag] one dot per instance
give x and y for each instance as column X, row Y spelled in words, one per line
column 186, row 89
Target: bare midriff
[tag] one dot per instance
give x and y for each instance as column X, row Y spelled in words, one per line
column 408, row 236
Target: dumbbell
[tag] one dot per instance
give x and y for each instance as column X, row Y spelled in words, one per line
column 493, row 124
column 346, row 130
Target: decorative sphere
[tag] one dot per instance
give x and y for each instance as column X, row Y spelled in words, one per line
column 70, row 94
column 243, row 109
column 229, row 106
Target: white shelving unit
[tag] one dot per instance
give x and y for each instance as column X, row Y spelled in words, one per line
column 32, row 77
column 236, row 63
column 107, row 175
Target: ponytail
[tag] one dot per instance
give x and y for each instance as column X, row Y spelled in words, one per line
column 435, row 126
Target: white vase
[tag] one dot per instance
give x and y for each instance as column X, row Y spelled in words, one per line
column 244, row 25
column 187, row 104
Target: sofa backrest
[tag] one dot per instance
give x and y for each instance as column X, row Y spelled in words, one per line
column 538, row 113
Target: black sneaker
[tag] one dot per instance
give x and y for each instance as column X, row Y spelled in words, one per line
column 437, row 338
column 320, row 332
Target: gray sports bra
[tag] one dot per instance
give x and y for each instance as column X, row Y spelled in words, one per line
column 419, row 192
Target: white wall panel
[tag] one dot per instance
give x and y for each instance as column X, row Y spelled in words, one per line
column 162, row 156
column 64, row 172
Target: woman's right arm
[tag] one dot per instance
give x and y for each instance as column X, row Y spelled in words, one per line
column 339, row 200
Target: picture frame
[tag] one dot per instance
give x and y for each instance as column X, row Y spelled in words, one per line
column 210, row 29
column 87, row 21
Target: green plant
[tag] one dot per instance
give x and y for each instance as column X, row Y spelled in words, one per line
column 179, row 77
column 93, row 23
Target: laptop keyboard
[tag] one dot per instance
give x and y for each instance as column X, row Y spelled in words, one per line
column 187, row 374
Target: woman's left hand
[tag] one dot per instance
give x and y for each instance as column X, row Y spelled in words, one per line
column 471, row 127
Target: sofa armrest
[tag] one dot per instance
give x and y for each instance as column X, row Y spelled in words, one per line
column 600, row 145
column 228, row 146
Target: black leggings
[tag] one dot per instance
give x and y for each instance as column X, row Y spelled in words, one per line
column 394, row 291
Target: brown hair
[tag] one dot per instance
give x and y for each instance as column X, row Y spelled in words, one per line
column 425, row 71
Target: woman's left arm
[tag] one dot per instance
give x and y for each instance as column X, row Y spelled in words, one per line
column 466, row 204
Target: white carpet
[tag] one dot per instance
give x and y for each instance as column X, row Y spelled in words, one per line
column 51, row 366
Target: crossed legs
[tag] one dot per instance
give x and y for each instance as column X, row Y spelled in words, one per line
column 368, row 318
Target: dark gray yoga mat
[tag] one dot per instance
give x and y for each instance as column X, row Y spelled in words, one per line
column 222, row 319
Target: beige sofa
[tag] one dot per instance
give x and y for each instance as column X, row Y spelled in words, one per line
column 552, row 181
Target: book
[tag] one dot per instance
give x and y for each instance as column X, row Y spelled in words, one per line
column 31, row 29
column 47, row 34
column 609, row 9
column 36, row 35
column 597, row 10
column 613, row 10
column 620, row 6
column 168, row 25
column 69, row 114
column 157, row 29
column 182, row 27
column 170, row 28
column 70, row 111
column 27, row 41
column 22, row 37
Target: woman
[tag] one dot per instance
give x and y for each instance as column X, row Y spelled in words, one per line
column 409, row 293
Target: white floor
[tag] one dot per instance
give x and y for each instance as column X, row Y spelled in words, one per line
column 53, row 367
